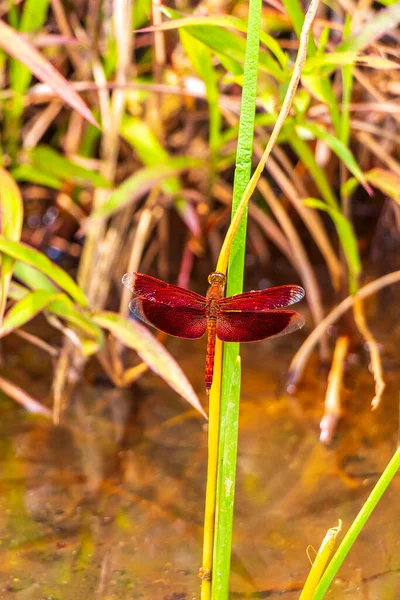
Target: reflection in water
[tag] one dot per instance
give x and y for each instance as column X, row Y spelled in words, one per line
column 111, row 506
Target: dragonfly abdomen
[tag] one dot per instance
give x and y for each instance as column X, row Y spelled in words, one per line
column 211, row 335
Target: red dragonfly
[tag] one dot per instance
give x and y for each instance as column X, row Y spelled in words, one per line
column 247, row 317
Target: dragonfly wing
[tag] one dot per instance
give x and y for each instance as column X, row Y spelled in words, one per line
column 179, row 322
column 151, row 288
column 262, row 300
column 251, row 326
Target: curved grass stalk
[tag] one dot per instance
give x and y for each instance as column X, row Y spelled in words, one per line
column 294, row 81
column 212, row 468
column 312, row 221
column 301, row 357
column 303, row 263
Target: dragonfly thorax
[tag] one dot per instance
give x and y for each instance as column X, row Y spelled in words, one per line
column 218, row 278
column 217, row 284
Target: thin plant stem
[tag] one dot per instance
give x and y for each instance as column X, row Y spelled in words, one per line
column 212, row 469
column 301, row 357
column 251, row 186
column 357, row 525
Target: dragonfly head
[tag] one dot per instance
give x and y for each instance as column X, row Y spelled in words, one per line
column 218, row 278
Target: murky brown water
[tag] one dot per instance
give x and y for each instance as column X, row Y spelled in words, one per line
column 112, row 507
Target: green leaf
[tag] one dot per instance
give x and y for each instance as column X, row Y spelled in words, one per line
column 45, row 158
column 64, row 308
column 221, row 21
column 305, row 154
column 201, row 58
column 19, row 48
column 141, row 13
column 148, row 148
column 11, row 205
column 347, row 239
column 24, row 310
column 133, row 188
column 11, row 216
column 347, row 88
column 36, row 175
column 38, row 260
column 32, row 19
column 227, row 43
column 136, row 336
column 350, row 186
column 32, row 278
column 342, row 151
column 296, row 15
column 146, row 145
column 321, row 87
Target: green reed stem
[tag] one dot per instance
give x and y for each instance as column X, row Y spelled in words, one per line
column 230, row 397
column 357, row 525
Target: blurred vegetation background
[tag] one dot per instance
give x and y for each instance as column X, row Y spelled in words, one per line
column 150, row 189
column 118, row 139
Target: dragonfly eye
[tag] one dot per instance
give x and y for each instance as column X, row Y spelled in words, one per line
column 216, row 277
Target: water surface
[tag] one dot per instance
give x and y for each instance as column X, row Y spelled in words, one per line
column 110, row 505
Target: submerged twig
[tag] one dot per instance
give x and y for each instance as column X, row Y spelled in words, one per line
column 318, row 566
column 376, row 365
column 333, row 408
column 24, row 399
column 36, row 341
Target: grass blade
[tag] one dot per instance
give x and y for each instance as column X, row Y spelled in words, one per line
column 324, row 86
column 151, row 152
column 347, row 237
column 24, row 310
column 33, row 174
column 342, row 151
column 201, row 58
column 50, row 162
column 223, row 21
column 229, row 44
column 33, row 278
column 38, row 260
column 134, row 187
column 357, row 525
